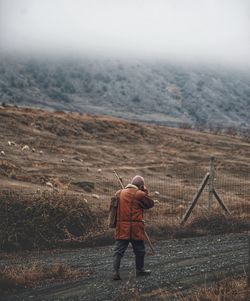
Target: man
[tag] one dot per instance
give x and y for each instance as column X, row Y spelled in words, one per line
column 130, row 227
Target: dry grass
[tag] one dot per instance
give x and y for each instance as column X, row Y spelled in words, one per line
column 199, row 225
column 164, row 220
column 74, row 147
column 48, row 220
column 230, row 289
column 226, row 290
column 42, row 220
column 18, row 276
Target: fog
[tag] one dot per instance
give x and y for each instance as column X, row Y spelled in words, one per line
column 181, row 30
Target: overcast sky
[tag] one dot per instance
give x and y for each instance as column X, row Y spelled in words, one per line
column 205, row 30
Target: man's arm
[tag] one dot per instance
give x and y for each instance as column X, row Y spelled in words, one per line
column 144, row 200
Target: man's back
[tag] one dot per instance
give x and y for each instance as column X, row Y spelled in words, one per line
column 130, row 226
column 130, row 213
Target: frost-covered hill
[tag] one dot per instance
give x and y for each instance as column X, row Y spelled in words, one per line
column 154, row 92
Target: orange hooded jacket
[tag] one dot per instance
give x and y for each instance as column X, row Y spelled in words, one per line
column 130, row 224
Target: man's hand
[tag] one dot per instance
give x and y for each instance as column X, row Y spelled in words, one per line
column 144, row 189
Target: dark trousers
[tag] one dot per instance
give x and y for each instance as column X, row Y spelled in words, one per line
column 120, row 248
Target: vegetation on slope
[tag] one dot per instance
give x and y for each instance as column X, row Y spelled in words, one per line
column 57, row 177
column 42, row 220
column 155, row 92
column 28, row 275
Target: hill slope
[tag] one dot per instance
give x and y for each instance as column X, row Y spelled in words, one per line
column 153, row 92
column 51, row 158
column 66, row 148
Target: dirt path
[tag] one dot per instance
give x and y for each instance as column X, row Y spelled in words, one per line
column 178, row 265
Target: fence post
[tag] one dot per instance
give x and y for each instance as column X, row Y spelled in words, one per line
column 195, row 199
column 248, row 268
column 211, row 183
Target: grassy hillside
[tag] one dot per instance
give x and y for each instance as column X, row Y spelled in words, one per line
column 41, row 146
column 56, row 175
column 154, row 92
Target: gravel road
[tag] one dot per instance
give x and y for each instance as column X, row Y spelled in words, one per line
column 177, row 265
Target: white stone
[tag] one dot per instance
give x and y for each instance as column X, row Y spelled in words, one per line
column 95, row 196
column 41, row 152
column 157, row 193
column 99, row 170
column 181, row 207
column 2, row 153
column 49, row 184
column 26, row 147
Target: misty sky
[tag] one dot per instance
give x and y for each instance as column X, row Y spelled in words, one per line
column 205, row 30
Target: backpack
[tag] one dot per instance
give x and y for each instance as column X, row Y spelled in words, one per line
column 112, row 219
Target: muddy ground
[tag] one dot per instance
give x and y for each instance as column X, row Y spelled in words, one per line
column 178, row 266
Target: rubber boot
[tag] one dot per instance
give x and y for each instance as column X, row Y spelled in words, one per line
column 140, row 271
column 116, row 266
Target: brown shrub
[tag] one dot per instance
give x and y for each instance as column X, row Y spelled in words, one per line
column 226, row 290
column 200, row 225
column 217, row 223
column 230, row 289
column 15, row 277
column 41, row 220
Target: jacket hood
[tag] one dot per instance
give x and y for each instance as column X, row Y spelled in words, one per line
column 131, row 186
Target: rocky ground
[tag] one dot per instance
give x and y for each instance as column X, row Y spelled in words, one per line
column 177, row 267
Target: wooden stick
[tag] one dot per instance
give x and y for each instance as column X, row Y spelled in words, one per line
column 119, row 179
column 149, row 242
column 248, row 268
column 195, row 199
column 220, row 201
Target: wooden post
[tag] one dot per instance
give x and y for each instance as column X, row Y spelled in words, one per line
column 211, row 183
column 212, row 192
column 195, row 199
column 220, row 201
column 248, row 268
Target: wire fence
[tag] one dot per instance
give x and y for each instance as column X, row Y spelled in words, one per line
column 175, row 189
column 172, row 185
